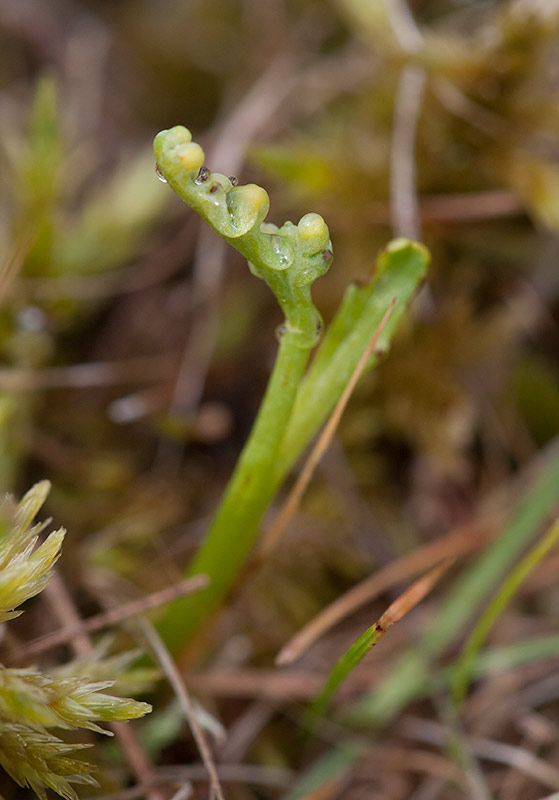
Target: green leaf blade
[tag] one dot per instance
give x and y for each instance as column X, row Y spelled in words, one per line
column 402, row 267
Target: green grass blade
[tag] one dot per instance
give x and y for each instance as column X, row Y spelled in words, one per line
column 350, row 659
column 495, row 660
column 410, row 676
column 495, row 609
column 539, row 502
column 514, row 655
column 358, row 650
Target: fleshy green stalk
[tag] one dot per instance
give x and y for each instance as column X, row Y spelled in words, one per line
column 249, row 492
column 289, row 259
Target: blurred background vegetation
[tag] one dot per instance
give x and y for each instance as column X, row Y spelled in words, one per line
column 135, row 348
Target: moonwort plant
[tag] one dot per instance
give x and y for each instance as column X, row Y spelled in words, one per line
column 288, row 259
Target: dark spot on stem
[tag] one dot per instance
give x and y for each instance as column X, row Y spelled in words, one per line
column 214, row 187
column 203, row 175
column 327, row 255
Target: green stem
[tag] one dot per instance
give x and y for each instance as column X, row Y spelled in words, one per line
column 289, row 259
column 252, row 486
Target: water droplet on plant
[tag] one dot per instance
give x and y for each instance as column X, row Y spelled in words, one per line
column 280, row 332
column 234, row 180
column 203, row 175
column 306, row 276
column 319, row 327
column 327, row 255
column 283, row 251
column 159, row 174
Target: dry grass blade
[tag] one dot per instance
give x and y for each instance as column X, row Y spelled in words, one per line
column 496, row 607
column 112, row 617
column 394, row 613
column 12, row 264
column 410, row 598
column 101, row 373
column 174, row 677
column 323, row 442
column 404, row 202
column 64, row 608
column 519, row 758
column 457, row 543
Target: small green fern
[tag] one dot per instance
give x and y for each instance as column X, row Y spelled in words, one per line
column 31, row 703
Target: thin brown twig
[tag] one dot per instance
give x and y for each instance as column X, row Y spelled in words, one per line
column 454, row 207
column 409, row 759
column 244, row 730
column 403, row 24
column 462, row 106
column 96, row 373
column 13, row 262
column 431, row 732
column 167, row 664
column 323, row 442
column 411, row 597
column 404, row 203
column 267, row 684
column 183, row 793
column 489, row 122
column 66, row 612
column 468, row 206
column 137, row 758
column 113, row 616
column 458, row 542
column 232, row 773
